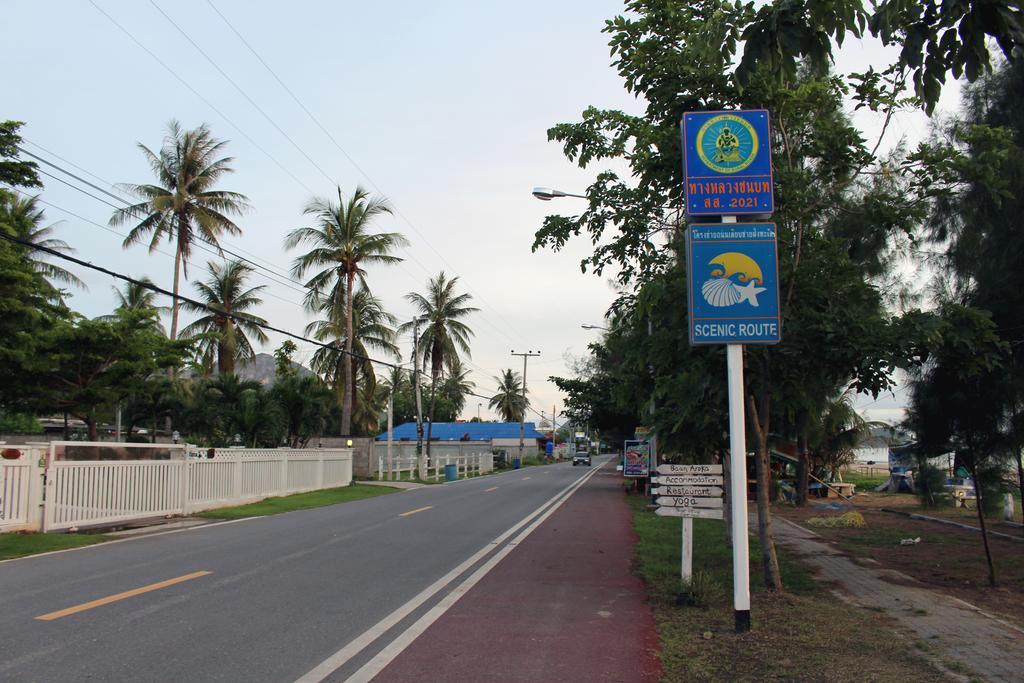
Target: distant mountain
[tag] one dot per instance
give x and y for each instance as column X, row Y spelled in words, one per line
column 262, row 369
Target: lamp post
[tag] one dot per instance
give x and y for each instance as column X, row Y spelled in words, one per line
column 546, row 194
column 522, row 416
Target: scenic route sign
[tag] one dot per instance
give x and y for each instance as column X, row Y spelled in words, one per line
column 689, row 480
column 701, row 513
column 733, row 283
column 727, row 162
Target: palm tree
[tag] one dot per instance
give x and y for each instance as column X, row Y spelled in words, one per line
column 225, row 331
column 509, row 401
column 443, row 335
column 137, row 297
column 341, row 246
column 182, row 206
column 372, row 331
column 22, row 217
column 457, row 386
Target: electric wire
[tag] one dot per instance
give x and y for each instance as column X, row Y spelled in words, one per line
column 192, row 302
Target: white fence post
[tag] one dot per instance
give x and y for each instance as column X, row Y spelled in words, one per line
column 185, row 476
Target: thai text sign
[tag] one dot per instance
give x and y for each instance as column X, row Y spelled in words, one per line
column 727, row 162
column 637, row 459
column 733, row 284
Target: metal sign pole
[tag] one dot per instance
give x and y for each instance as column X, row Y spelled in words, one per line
column 738, row 489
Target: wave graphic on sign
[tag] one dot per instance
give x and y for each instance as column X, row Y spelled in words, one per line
column 720, row 291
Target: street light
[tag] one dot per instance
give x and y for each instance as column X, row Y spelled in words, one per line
column 588, row 326
column 547, row 194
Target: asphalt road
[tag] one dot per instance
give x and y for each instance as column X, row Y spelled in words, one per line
column 281, row 595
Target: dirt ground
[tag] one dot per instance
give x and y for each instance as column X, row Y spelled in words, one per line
column 946, row 558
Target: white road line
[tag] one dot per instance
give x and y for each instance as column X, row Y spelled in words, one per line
column 342, row 656
column 406, row 638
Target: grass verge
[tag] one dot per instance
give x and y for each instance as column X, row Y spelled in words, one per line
column 803, row 634
column 19, row 545
column 298, row 501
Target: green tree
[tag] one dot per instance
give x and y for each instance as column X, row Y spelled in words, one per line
column 14, row 171
column 23, row 218
column 92, row 364
column 136, row 296
column 182, row 206
column 284, row 366
column 305, row 406
column 953, row 406
column 457, row 386
column 341, row 246
column 508, row 400
column 935, row 37
column 373, row 333
column 225, row 332
column 837, row 332
column 444, row 334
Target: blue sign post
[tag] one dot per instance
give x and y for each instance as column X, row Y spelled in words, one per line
column 733, row 283
column 728, row 163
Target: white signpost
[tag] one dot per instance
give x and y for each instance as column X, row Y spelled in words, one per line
column 689, row 491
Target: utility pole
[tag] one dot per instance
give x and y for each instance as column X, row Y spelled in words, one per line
column 391, row 427
column 416, row 386
column 522, row 416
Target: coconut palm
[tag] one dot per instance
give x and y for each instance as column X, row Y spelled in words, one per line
column 22, row 217
column 509, row 402
column 225, row 332
column 457, row 386
column 137, row 297
column 341, row 245
column 182, row 206
column 443, row 335
column 372, row 332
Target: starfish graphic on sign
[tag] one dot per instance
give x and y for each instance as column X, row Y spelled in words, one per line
column 722, row 291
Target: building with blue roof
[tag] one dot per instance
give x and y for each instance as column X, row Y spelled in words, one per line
column 466, row 431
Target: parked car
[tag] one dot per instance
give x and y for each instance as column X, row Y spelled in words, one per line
column 581, row 458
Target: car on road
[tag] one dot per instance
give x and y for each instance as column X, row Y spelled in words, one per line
column 581, row 458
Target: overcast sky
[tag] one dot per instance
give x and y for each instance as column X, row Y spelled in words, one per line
column 441, row 107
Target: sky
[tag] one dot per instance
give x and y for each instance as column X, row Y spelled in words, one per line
column 440, row 107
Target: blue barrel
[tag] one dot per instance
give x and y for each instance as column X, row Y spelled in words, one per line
column 451, row 472
column 516, row 463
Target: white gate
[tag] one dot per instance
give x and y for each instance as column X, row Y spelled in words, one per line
column 20, row 479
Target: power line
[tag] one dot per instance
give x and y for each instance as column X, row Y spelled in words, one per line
column 357, row 167
column 220, row 250
column 121, row 235
column 197, row 94
column 193, row 302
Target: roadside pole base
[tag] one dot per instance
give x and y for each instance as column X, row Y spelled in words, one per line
column 742, row 620
column 685, row 599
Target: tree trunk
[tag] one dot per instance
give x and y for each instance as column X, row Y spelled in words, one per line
column 90, row 424
column 430, row 425
column 769, row 559
column 1017, row 448
column 174, row 299
column 980, row 504
column 803, row 472
column 346, row 399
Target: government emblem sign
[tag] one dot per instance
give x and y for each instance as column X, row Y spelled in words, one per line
column 727, row 162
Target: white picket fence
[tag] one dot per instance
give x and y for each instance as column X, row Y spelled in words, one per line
column 96, row 492
column 406, row 467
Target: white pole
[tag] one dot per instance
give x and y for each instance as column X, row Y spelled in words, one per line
column 738, row 489
column 391, row 429
column 686, row 570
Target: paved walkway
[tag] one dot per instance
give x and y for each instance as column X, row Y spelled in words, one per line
column 563, row 606
column 959, row 631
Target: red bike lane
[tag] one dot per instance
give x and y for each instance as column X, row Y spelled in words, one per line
column 565, row 605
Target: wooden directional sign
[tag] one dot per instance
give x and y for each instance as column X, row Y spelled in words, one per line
column 689, row 469
column 699, row 491
column 690, row 480
column 702, row 513
column 687, row 502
